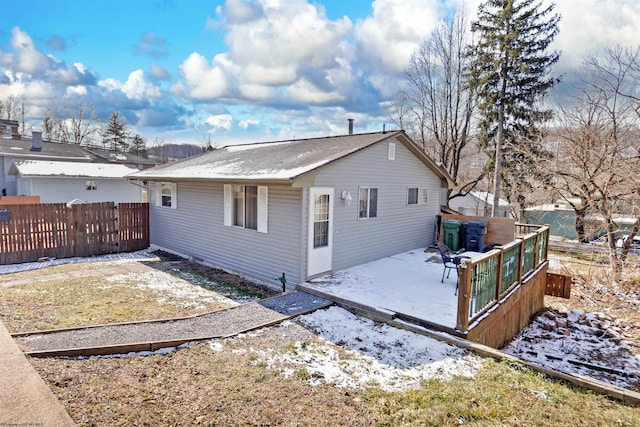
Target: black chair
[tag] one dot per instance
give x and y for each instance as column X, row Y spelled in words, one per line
column 450, row 259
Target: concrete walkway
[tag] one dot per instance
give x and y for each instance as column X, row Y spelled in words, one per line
column 25, row 399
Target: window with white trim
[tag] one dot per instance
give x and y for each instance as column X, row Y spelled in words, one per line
column 368, row 202
column 91, row 185
column 165, row 194
column 246, row 206
column 416, row 196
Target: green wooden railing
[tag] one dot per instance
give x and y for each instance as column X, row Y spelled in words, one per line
column 489, row 279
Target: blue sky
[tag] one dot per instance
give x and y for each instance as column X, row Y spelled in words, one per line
column 241, row 71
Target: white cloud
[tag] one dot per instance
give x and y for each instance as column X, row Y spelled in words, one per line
column 220, row 121
column 257, row 92
column 137, row 87
column 204, row 81
column 29, row 59
column 270, row 43
column 588, row 26
column 387, row 38
column 110, row 84
column 77, row 90
column 290, row 32
column 244, row 124
column 305, row 92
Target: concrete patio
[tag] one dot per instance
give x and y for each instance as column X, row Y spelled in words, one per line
column 406, row 285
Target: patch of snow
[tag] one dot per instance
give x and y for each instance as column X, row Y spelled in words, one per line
column 72, row 169
column 216, row 346
column 407, row 283
column 374, row 354
column 590, row 344
column 189, row 295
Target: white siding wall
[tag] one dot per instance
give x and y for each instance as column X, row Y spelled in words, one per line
column 8, row 181
column 399, row 227
column 63, row 190
column 196, row 228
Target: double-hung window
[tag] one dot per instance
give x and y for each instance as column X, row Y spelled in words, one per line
column 416, row 196
column 368, row 202
column 246, row 206
column 165, row 194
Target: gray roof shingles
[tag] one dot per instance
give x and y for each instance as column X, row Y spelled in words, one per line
column 278, row 160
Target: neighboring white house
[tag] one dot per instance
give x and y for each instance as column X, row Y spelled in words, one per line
column 62, row 182
column 299, row 207
column 479, row 203
column 16, row 148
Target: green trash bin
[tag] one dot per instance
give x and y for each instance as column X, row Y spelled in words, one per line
column 451, row 233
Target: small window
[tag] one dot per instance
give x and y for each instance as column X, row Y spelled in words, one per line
column 391, row 154
column 321, row 221
column 91, row 185
column 368, row 202
column 166, row 194
column 416, row 196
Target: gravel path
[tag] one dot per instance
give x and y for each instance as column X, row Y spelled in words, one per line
column 221, row 323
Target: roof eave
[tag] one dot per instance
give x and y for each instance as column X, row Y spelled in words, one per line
column 262, row 181
column 428, row 161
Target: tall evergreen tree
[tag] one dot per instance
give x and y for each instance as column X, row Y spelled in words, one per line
column 510, row 75
column 139, row 146
column 114, row 136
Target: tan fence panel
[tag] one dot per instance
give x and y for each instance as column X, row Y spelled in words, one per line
column 133, row 222
column 34, row 231
column 95, row 229
column 30, row 232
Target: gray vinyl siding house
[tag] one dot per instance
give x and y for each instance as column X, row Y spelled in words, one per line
column 307, row 219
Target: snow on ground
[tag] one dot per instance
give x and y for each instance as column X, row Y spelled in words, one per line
column 168, row 288
column 590, row 344
column 407, row 283
column 143, row 255
column 374, row 354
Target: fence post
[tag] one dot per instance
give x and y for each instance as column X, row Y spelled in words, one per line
column 499, row 272
column 520, row 258
column 464, row 295
column 536, row 249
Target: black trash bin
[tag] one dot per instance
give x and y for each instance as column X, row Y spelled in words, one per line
column 474, row 235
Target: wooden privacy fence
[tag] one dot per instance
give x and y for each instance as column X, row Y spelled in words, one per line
column 31, row 232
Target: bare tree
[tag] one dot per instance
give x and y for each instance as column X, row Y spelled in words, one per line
column 10, row 108
column 73, row 127
column 435, row 106
column 598, row 161
column 81, row 125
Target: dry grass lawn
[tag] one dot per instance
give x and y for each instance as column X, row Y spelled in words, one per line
column 224, row 382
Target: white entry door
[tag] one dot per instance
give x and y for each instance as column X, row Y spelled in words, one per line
column 320, row 230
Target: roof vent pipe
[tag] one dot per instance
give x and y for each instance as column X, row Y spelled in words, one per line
column 36, row 141
column 350, row 126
